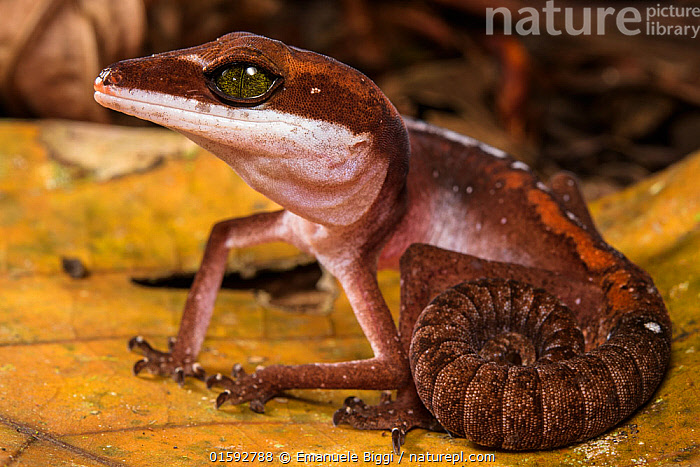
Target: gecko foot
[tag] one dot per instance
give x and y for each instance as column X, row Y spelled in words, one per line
column 243, row 388
column 399, row 416
column 164, row 363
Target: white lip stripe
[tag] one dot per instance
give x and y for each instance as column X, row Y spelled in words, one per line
column 149, row 105
column 190, row 118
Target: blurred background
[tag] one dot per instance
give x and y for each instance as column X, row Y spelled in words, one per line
column 610, row 107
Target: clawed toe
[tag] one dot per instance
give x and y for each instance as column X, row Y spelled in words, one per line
column 163, row 363
column 398, row 438
column 242, row 388
column 139, row 345
column 219, row 381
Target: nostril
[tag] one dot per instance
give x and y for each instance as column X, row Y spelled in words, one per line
column 113, row 77
column 110, row 77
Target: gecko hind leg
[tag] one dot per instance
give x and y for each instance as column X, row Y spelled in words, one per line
column 400, row 416
column 421, row 283
column 565, row 187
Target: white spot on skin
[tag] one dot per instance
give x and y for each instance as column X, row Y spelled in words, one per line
column 503, row 220
column 478, row 226
column 455, row 188
column 577, row 301
column 194, row 58
column 436, row 174
column 566, row 198
column 543, row 187
column 571, row 215
column 315, row 90
column 469, row 190
column 519, row 165
column 653, row 327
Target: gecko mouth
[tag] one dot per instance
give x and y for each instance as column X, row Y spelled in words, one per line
column 166, row 109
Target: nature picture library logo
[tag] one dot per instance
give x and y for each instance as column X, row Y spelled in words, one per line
column 663, row 19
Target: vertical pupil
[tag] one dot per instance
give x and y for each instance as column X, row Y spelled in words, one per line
column 244, row 81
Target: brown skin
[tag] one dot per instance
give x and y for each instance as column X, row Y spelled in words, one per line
column 487, row 218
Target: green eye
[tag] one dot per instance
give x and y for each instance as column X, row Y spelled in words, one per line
column 244, row 81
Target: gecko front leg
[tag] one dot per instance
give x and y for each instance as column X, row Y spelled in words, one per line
column 181, row 360
column 388, row 369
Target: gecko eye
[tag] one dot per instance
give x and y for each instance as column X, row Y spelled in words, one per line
column 243, row 83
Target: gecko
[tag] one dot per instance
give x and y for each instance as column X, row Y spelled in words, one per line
column 519, row 327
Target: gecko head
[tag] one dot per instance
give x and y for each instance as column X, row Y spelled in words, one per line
column 314, row 135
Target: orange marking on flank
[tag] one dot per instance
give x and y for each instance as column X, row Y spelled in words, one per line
column 588, row 249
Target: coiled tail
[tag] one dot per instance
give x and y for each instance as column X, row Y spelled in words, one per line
column 504, row 365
